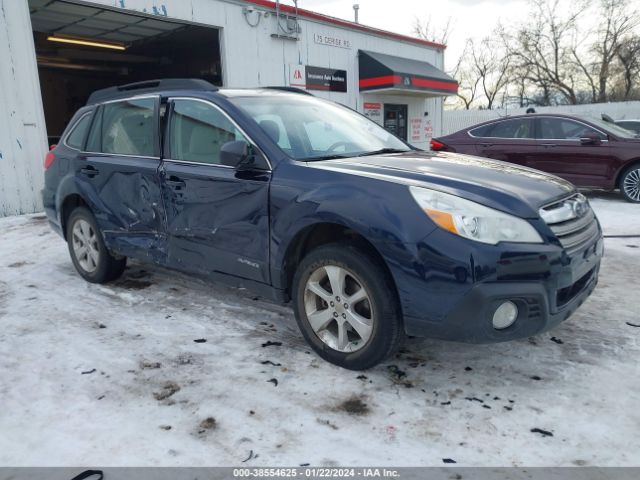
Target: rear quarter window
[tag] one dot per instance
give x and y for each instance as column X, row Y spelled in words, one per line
column 78, row 133
column 516, row 128
column 480, row 131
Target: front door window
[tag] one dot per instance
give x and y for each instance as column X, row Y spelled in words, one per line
column 197, row 132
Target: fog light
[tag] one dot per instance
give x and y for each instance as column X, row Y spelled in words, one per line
column 505, row 315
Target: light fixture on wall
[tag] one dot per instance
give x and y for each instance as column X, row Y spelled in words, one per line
column 86, row 42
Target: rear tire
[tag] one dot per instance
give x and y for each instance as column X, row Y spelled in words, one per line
column 630, row 184
column 88, row 252
column 346, row 307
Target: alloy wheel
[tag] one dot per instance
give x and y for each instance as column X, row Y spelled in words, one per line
column 338, row 308
column 85, row 246
column 631, row 184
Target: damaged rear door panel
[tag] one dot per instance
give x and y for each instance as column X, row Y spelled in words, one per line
column 120, row 172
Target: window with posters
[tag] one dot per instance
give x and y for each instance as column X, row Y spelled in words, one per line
column 428, row 130
column 416, row 129
column 373, row 111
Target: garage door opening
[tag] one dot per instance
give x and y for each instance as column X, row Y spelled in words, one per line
column 81, row 48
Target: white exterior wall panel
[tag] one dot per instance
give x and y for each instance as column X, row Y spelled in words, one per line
column 22, row 129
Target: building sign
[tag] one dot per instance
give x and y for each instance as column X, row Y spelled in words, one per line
column 332, row 41
column 317, row 78
column 297, row 76
column 373, row 111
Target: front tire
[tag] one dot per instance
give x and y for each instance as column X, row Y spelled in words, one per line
column 346, row 307
column 630, row 184
column 88, row 252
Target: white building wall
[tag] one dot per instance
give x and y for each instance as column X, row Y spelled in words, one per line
column 22, row 128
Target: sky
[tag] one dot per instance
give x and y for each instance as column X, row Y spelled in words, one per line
column 475, row 18
column 470, row 18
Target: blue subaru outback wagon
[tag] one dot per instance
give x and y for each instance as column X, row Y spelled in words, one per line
column 307, row 201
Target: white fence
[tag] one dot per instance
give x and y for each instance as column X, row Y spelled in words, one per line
column 454, row 120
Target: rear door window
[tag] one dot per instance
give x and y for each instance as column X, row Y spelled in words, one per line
column 564, row 129
column 125, row 128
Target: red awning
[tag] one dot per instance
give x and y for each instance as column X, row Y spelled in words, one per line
column 387, row 72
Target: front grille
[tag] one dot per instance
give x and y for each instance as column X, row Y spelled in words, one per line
column 572, row 221
column 565, row 295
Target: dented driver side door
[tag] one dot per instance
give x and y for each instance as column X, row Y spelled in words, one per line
column 217, row 216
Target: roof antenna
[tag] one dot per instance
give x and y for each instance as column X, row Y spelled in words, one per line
column 356, row 7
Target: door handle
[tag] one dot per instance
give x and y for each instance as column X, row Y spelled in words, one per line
column 548, row 145
column 175, row 183
column 89, row 171
column 486, row 145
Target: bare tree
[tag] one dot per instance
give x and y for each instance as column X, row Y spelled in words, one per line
column 597, row 63
column 554, row 58
column 518, row 88
column 543, row 50
column 428, row 30
column 629, row 61
column 491, row 66
column 468, row 81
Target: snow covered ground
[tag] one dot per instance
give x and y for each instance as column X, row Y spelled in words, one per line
column 115, row 376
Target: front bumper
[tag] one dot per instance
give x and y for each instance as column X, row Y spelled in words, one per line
column 544, row 281
column 471, row 320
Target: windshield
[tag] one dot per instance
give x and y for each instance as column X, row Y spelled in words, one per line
column 307, row 128
column 617, row 130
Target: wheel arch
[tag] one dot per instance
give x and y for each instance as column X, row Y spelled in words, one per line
column 625, row 168
column 68, row 205
column 323, row 233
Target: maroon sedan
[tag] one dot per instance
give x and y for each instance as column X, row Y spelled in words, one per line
column 589, row 153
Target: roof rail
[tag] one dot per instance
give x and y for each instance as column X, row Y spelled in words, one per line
column 149, row 86
column 291, row 90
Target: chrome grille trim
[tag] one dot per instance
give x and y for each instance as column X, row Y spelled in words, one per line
column 566, row 209
column 572, row 221
column 566, row 228
column 575, row 241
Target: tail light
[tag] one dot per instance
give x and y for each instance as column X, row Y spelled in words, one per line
column 50, row 157
column 438, row 146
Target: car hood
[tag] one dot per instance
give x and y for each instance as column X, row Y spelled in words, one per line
column 504, row 186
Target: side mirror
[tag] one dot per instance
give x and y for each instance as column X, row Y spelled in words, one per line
column 235, row 154
column 591, row 139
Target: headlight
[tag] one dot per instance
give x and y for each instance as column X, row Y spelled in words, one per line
column 472, row 220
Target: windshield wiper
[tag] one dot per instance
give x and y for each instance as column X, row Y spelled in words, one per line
column 326, row 157
column 364, row 154
column 382, row 151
